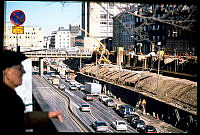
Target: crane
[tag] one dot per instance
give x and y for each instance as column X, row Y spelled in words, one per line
column 101, row 49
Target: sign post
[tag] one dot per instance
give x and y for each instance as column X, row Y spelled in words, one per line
column 17, row 18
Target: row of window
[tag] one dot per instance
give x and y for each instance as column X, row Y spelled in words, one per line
column 105, row 16
column 14, row 45
column 64, row 32
column 21, row 37
column 125, row 38
column 63, row 43
column 110, row 23
column 62, row 39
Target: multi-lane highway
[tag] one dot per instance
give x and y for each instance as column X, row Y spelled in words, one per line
column 56, row 101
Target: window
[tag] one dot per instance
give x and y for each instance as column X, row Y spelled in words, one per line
column 103, row 16
column 158, row 38
column 110, row 16
column 110, row 23
column 140, row 19
column 111, row 5
column 163, row 37
column 154, row 38
column 103, row 22
column 136, row 19
column 145, row 28
column 158, row 27
column 154, row 27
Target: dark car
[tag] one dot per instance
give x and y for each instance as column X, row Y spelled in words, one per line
column 126, row 110
column 133, row 117
column 138, row 124
column 88, row 97
column 109, row 102
column 147, row 129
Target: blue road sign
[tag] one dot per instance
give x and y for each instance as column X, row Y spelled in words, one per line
column 17, row 17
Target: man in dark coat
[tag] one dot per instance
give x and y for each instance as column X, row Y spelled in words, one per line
column 13, row 118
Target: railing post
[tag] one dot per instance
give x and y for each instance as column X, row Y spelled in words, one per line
column 41, row 66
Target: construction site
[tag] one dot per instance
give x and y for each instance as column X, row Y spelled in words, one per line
column 171, row 96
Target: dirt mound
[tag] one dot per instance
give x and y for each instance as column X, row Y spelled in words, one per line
column 178, row 92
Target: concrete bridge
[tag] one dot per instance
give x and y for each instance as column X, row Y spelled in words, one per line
column 40, row 55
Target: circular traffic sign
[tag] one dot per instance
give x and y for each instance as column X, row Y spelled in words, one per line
column 17, row 17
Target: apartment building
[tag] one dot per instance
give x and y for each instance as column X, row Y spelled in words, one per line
column 32, row 39
column 60, row 39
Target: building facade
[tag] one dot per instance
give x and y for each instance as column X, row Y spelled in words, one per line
column 60, row 39
column 47, row 41
column 74, row 31
column 97, row 20
column 142, row 27
column 32, row 39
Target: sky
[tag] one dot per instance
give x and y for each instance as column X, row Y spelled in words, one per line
column 46, row 14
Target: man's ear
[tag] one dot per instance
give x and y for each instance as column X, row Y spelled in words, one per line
column 7, row 73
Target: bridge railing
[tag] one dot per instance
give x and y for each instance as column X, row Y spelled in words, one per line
column 56, row 55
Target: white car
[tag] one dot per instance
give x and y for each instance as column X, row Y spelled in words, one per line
column 72, row 87
column 62, row 87
column 100, row 126
column 85, row 107
column 119, row 125
column 103, row 98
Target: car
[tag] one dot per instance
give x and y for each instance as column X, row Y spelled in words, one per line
column 88, row 97
column 109, row 103
column 73, row 82
column 103, row 98
column 133, row 117
column 125, row 110
column 67, row 79
column 138, row 124
column 62, row 87
column 85, row 107
column 119, row 125
column 72, row 87
column 82, row 87
column 147, row 129
column 100, row 126
column 78, row 85
column 62, row 76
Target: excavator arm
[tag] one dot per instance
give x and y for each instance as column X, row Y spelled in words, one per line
column 101, row 50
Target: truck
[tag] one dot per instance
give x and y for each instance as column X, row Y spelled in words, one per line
column 55, row 81
column 93, row 88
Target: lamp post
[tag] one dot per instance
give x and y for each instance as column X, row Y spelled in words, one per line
column 159, row 44
column 140, row 44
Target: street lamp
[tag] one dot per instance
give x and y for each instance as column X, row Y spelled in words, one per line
column 159, row 44
column 140, row 44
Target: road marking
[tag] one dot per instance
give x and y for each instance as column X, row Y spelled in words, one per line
column 43, row 87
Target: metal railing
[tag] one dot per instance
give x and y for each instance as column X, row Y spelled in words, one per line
column 56, row 55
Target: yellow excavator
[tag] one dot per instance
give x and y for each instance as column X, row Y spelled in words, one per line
column 101, row 50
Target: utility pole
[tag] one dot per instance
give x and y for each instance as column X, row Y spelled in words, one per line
column 159, row 44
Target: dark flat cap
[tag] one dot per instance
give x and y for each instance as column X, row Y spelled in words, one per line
column 11, row 58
